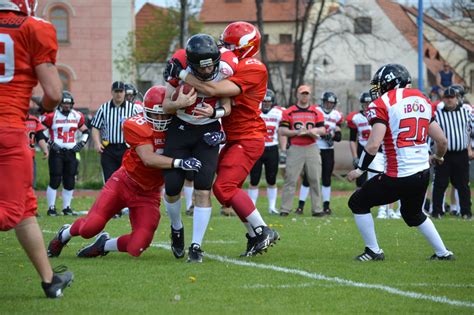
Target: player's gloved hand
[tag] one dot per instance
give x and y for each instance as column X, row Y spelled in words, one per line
column 355, row 162
column 172, row 69
column 214, row 138
column 188, row 164
column 282, row 159
column 78, row 147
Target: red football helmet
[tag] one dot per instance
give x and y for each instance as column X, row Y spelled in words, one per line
column 153, row 109
column 27, row 7
column 242, row 38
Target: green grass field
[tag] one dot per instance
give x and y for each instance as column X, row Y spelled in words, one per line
column 311, row 270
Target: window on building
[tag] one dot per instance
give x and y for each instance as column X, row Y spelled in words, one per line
column 471, row 86
column 144, row 85
column 363, row 25
column 288, row 70
column 470, row 56
column 363, row 73
column 286, row 39
column 65, row 79
column 59, row 17
column 265, row 38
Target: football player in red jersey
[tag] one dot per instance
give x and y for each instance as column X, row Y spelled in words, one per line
column 28, row 50
column 402, row 118
column 136, row 184
column 244, row 128
column 35, row 131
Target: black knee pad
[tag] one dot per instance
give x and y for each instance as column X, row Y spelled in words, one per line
column 54, row 181
column 174, row 181
column 357, row 205
column 413, row 219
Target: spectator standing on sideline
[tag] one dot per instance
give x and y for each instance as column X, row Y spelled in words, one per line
column 401, row 119
column 244, row 128
column 63, row 125
column 272, row 115
column 302, row 124
column 444, row 77
column 107, row 132
column 29, row 48
column 136, row 184
column 35, row 131
column 455, row 119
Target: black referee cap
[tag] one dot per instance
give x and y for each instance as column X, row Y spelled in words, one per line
column 450, row 92
column 118, row 85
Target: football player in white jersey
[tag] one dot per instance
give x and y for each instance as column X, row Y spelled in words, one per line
column 272, row 115
column 401, row 119
column 63, row 125
column 190, row 133
column 359, row 134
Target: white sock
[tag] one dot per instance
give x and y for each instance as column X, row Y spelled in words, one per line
column 67, row 197
column 188, row 196
column 250, row 230
column 365, row 224
column 174, row 212
column 272, row 193
column 66, row 234
column 201, row 218
column 253, row 194
column 429, row 231
column 111, row 245
column 51, row 196
column 255, row 219
column 326, row 192
column 304, row 191
column 456, row 197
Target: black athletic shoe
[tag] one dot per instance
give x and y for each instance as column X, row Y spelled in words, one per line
column 448, row 256
column 318, row 214
column 52, row 212
column 190, row 211
column 368, row 254
column 95, row 249
column 177, row 242
column 251, row 241
column 265, row 238
column 284, row 214
column 195, row 253
column 60, row 281
column 326, row 208
column 299, row 211
column 56, row 245
column 68, row 211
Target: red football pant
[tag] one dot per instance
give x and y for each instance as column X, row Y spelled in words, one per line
column 235, row 162
column 17, row 198
column 119, row 192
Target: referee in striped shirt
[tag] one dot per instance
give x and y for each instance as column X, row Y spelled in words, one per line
column 455, row 119
column 107, row 130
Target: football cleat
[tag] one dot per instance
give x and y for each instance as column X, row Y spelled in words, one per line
column 52, row 211
column 56, row 245
column 368, row 254
column 318, row 214
column 95, row 249
column 448, row 256
column 326, row 208
column 284, row 213
column 391, row 214
column 382, row 214
column 195, row 254
column 251, row 241
column 190, row 211
column 273, row 211
column 68, row 211
column 265, row 238
column 177, row 242
column 58, row 284
column 299, row 211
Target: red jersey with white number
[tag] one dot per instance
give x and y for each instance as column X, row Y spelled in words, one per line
column 272, row 121
column 25, row 42
column 33, row 126
column 137, row 132
column 407, row 113
column 359, row 122
column 227, row 67
column 296, row 117
column 62, row 129
column 332, row 120
column 244, row 122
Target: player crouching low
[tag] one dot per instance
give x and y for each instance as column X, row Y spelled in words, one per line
column 136, row 184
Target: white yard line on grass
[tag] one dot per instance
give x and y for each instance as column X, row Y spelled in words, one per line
column 317, row 276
